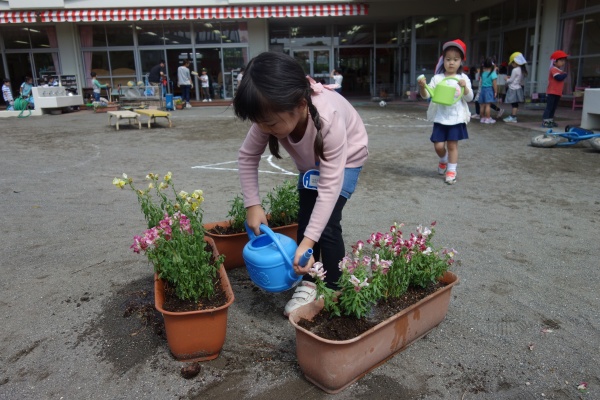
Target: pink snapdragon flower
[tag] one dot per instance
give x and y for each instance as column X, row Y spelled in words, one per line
column 317, row 271
column 357, row 283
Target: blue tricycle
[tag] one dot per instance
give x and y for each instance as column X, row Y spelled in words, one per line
column 572, row 134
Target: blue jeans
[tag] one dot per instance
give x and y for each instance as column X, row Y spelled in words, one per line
column 96, row 96
column 185, row 92
column 552, row 101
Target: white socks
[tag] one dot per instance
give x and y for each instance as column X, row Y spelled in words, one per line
column 444, row 160
column 452, row 167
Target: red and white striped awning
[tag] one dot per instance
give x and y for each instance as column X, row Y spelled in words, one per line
column 15, row 17
column 179, row 13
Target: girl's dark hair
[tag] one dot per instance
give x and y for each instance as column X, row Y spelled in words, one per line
column 93, row 74
column 524, row 69
column 275, row 83
column 488, row 63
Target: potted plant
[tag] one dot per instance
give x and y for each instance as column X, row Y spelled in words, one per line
column 405, row 275
column 178, row 104
column 282, row 206
column 192, row 290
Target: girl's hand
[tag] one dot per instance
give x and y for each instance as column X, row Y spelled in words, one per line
column 462, row 83
column 422, row 82
column 255, row 215
column 304, row 245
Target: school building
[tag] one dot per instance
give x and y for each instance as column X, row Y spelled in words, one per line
column 378, row 45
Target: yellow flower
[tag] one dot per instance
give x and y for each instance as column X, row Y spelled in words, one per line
column 163, row 186
column 151, row 176
column 151, row 185
column 183, row 195
column 118, row 183
column 168, row 177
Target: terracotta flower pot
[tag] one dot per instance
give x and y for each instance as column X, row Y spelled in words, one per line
column 334, row 365
column 195, row 335
column 232, row 246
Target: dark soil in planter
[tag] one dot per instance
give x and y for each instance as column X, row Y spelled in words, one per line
column 227, row 230
column 223, row 230
column 174, row 304
column 331, row 327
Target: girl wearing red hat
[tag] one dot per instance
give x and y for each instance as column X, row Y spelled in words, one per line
column 449, row 122
column 556, row 83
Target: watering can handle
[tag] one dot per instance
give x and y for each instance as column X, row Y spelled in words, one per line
column 266, row 230
column 462, row 89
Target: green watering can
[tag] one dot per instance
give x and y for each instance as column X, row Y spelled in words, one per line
column 443, row 93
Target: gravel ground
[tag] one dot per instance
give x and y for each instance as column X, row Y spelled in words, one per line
column 524, row 322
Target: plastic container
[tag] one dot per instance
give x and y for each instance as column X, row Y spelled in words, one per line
column 169, row 102
column 269, row 259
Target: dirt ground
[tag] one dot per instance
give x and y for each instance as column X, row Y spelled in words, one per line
column 524, row 322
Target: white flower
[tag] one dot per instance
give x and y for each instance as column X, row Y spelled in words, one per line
column 317, row 271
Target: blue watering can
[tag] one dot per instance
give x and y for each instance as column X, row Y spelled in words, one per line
column 269, row 258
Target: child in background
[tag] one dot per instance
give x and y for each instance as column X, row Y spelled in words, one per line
column 25, row 90
column 326, row 139
column 556, row 83
column 515, row 94
column 493, row 106
column 205, row 85
column 488, row 91
column 337, row 80
column 450, row 122
column 7, row 94
column 501, row 83
column 97, row 86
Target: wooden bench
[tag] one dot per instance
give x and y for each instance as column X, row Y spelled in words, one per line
column 153, row 114
column 129, row 115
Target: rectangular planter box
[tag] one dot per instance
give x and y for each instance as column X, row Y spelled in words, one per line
column 334, row 365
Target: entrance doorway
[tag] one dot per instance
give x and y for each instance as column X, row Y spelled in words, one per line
column 356, row 67
column 202, row 58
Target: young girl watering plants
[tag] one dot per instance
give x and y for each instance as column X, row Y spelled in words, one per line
column 449, row 122
column 326, row 139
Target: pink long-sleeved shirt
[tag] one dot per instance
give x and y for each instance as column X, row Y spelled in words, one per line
column 344, row 144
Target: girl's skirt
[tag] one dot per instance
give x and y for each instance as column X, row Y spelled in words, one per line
column 515, row 96
column 487, row 95
column 443, row 133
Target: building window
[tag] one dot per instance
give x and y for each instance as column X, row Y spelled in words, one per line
column 354, row 34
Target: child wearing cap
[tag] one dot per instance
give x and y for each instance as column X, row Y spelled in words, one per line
column 514, row 94
column 7, row 94
column 556, row 83
column 449, row 122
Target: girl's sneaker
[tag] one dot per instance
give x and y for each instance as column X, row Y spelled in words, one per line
column 500, row 112
column 442, row 168
column 490, row 121
column 483, row 120
column 450, row 177
column 306, row 292
column 510, row 118
column 475, row 116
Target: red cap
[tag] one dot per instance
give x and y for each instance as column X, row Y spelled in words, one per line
column 558, row 54
column 457, row 43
